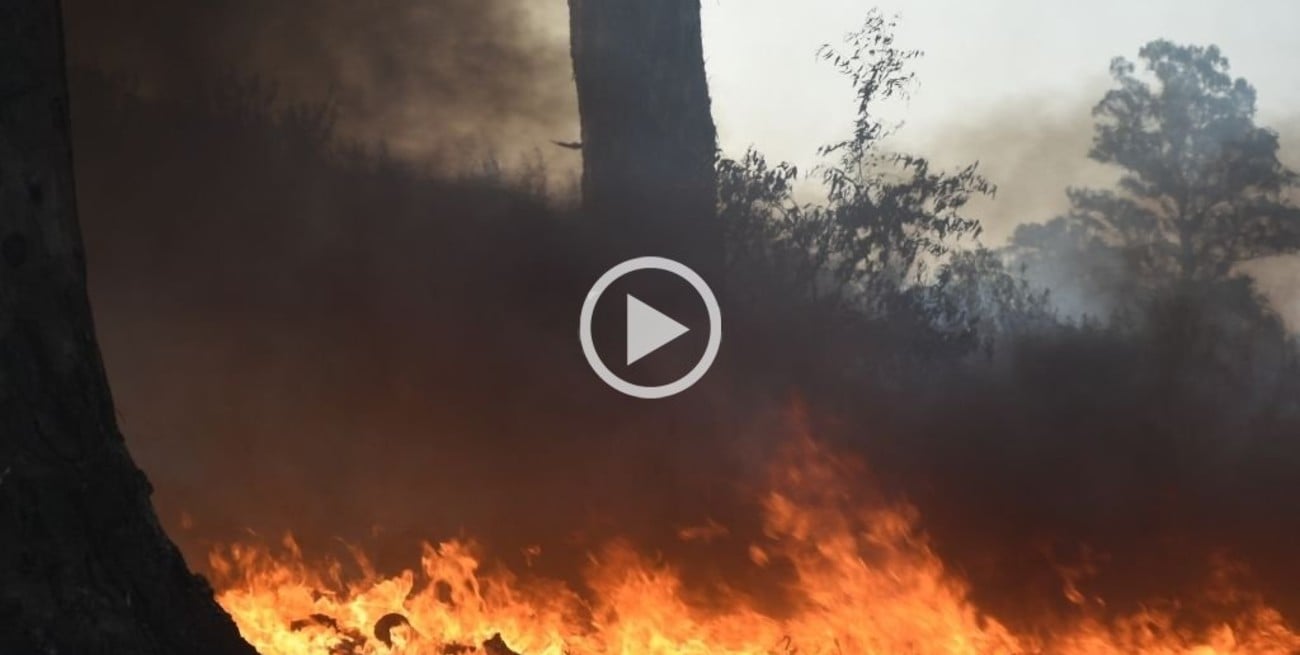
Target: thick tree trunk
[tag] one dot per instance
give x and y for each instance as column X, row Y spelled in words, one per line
column 84, row 566
column 648, row 139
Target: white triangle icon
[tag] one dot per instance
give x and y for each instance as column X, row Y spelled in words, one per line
column 648, row 329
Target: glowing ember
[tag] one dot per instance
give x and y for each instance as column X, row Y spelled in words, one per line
column 865, row 579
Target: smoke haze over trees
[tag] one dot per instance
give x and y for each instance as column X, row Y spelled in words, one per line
column 1202, row 193
column 299, row 324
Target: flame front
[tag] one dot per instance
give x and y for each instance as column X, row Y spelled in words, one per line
column 865, row 581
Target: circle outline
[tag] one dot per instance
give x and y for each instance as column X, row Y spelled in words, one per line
column 668, row 266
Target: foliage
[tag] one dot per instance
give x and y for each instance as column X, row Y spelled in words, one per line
column 1201, row 192
column 1202, row 189
column 889, row 221
column 892, row 214
column 975, row 291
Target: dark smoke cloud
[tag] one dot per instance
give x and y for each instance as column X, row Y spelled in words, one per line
column 244, row 286
column 422, row 75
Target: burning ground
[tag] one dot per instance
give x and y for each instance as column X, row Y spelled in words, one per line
column 860, row 577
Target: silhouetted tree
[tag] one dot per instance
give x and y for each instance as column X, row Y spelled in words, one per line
column 1201, row 192
column 648, row 139
column 84, row 565
column 864, row 275
column 1202, row 189
column 895, row 216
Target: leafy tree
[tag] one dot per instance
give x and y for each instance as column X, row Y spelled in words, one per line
column 892, row 214
column 1202, row 189
column 889, row 219
column 873, row 278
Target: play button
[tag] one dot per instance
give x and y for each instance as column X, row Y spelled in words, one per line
column 647, row 329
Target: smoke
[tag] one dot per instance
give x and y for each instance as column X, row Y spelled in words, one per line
column 426, row 77
column 1034, row 149
column 1278, row 278
column 342, row 344
column 301, row 336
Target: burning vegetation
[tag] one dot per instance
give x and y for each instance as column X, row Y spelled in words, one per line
column 863, row 579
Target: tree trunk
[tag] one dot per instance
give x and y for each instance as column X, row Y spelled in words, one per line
column 84, row 566
column 648, row 140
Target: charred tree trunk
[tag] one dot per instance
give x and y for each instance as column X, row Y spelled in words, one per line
column 648, row 139
column 84, row 566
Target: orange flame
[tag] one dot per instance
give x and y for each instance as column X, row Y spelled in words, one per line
column 865, row 578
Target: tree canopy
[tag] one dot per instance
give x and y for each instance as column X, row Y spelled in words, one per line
column 1202, row 189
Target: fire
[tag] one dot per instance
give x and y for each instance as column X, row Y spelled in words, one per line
column 865, row 580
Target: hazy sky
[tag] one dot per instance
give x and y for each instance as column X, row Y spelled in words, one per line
column 1008, row 82
column 979, row 56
